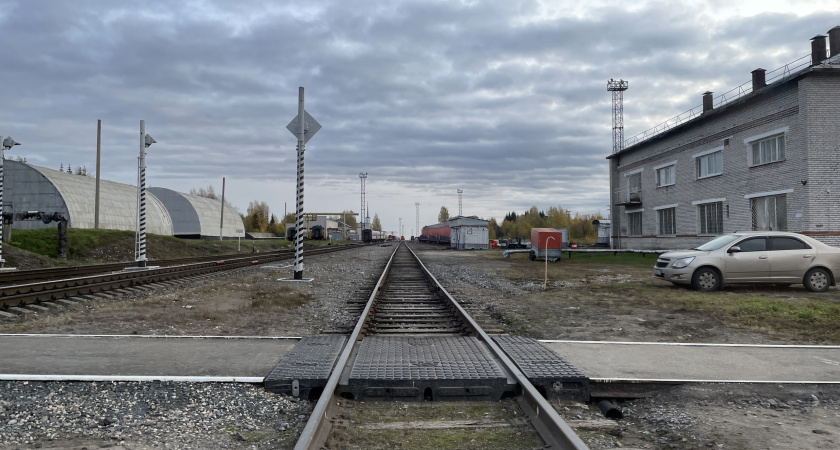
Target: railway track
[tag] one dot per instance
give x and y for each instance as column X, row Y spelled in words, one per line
column 49, row 287
column 410, row 309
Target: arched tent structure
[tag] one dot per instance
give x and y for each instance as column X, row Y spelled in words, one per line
column 198, row 217
column 33, row 188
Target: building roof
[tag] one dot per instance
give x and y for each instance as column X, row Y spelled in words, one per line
column 831, row 65
column 194, row 215
column 34, row 188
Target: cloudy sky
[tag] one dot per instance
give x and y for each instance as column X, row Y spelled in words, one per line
column 504, row 99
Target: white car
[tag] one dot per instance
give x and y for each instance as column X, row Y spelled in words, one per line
column 772, row 257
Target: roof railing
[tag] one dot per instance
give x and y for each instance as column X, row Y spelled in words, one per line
column 776, row 75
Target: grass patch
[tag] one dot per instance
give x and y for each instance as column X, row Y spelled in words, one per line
column 468, row 439
column 88, row 245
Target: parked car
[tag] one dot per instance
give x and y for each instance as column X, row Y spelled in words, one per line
column 772, row 257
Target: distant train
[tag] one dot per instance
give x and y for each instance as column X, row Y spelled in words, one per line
column 316, row 233
column 372, row 236
column 435, row 234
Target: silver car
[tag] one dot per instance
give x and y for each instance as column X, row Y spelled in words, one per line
column 772, row 257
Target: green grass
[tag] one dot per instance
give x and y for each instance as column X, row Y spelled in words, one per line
column 88, row 245
column 45, row 241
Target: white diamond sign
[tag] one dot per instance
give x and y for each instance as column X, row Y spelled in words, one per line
column 310, row 126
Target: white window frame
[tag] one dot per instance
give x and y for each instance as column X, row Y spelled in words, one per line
column 702, row 204
column 657, row 170
column 628, row 176
column 630, row 223
column 699, row 159
column 779, row 135
column 660, row 210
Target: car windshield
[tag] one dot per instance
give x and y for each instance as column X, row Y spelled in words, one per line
column 717, row 242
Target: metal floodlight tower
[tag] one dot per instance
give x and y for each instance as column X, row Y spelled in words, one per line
column 617, row 87
column 460, row 203
column 140, row 247
column 8, row 143
column 362, row 177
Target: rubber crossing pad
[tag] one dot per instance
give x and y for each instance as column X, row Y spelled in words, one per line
column 546, row 370
column 430, row 368
column 307, row 367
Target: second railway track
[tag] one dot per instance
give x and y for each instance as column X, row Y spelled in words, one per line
column 47, row 286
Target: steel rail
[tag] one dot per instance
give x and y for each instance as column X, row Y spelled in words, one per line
column 317, row 428
column 550, row 426
column 20, row 295
column 53, row 273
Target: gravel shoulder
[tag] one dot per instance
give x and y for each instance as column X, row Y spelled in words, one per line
column 506, row 293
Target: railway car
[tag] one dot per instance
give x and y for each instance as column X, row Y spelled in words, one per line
column 291, row 233
column 317, row 233
column 436, row 234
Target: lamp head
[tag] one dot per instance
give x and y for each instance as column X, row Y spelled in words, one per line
column 9, row 142
column 149, row 140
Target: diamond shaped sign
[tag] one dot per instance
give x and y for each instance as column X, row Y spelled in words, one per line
column 310, row 126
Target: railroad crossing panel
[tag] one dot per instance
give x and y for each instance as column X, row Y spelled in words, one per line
column 546, row 370
column 430, row 368
column 307, row 367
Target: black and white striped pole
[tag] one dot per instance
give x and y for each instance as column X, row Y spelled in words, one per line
column 7, row 144
column 303, row 127
column 145, row 142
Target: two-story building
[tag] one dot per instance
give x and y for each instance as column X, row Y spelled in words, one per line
column 766, row 157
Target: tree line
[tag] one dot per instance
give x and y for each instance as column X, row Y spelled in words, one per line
column 515, row 225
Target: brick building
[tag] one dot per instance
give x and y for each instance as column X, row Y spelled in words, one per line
column 766, row 157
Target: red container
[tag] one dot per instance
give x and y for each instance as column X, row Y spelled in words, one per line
column 540, row 235
column 573, row 244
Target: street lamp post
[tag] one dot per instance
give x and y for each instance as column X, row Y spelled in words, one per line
column 7, row 144
column 145, row 142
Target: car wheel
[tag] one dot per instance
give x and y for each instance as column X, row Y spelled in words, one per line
column 706, row 279
column 532, row 256
column 817, row 280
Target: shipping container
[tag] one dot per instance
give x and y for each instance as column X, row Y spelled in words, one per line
column 547, row 242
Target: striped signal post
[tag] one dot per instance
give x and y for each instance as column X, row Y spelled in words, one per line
column 145, row 142
column 7, row 144
column 303, row 127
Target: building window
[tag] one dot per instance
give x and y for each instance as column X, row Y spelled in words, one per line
column 710, row 218
column 634, row 221
column 634, row 187
column 767, row 150
column 666, row 222
column 665, row 175
column 769, row 213
column 710, row 165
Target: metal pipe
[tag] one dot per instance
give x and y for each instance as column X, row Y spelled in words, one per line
column 609, row 410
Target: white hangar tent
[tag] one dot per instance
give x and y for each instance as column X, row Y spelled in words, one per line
column 193, row 216
column 33, row 188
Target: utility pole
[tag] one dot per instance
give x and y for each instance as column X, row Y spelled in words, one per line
column 417, row 208
column 460, row 209
column 362, row 177
column 222, row 220
column 98, row 153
